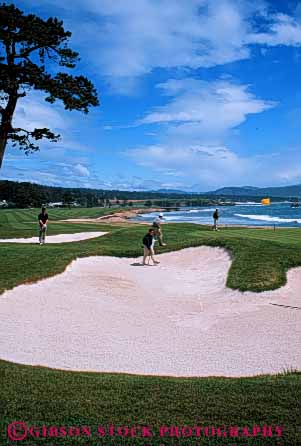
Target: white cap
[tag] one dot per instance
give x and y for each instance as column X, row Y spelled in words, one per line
column 160, row 215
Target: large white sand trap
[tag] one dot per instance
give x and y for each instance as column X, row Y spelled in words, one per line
column 106, row 314
column 60, row 238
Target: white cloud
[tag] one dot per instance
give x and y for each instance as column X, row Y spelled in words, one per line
column 206, row 110
column 66, row 175
column 194, row 125
column 81, row 170
column 199, row 167
column 33, row 112
column 141, row 36
column 210, row 166
column 282, row 30
column 126, row 39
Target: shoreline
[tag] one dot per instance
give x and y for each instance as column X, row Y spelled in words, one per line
column 127, row 216
column 123, row 216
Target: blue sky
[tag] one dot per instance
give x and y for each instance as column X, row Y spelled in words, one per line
column 195, row 95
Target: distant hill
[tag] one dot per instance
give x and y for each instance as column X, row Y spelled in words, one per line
column 282, row 191
column 243, row 191
column 25, row 194
column 172, row 191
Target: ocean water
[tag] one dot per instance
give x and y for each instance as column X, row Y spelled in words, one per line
column 248, row 214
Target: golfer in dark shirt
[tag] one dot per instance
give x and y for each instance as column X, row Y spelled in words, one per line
column 43, row 221
column 148, row 247
column 215, row 219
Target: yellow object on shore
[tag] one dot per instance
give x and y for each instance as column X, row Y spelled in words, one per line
column 266, row 201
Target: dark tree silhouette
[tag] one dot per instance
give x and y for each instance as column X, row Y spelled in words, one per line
column 31, row 52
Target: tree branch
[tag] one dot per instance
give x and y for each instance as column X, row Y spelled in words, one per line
column 17, row 130
column 27, row 53
column 22, row 138
column 22, row 95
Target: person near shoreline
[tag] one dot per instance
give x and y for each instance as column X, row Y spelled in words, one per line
column 215, row 220
column 157, row 225
column 148, row 245
column 43, row 222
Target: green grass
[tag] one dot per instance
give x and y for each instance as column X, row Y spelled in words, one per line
column 261, row 257
column 38, row 396
column 24, row 222
column 42, row 396
column 31, row 215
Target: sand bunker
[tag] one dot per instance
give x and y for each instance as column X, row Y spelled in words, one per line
column 61, row 238
column 112, row 315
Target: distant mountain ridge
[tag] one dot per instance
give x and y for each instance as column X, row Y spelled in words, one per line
column 172, row 191
column 12, row 190
column 280, row 191
column 293, row 191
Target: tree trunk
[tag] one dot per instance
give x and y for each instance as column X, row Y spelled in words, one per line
column 3, row 142
column 6, row 123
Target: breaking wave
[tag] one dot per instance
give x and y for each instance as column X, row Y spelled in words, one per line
column 192, row 211
column 269, row 218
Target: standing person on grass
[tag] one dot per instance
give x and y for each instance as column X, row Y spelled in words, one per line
column 215, row 220
column 157, row 225
column 148, row 247
column 43, row 221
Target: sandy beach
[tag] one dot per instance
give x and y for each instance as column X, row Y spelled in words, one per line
column 109, row 314
column 60, row 238
column 124, row 216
